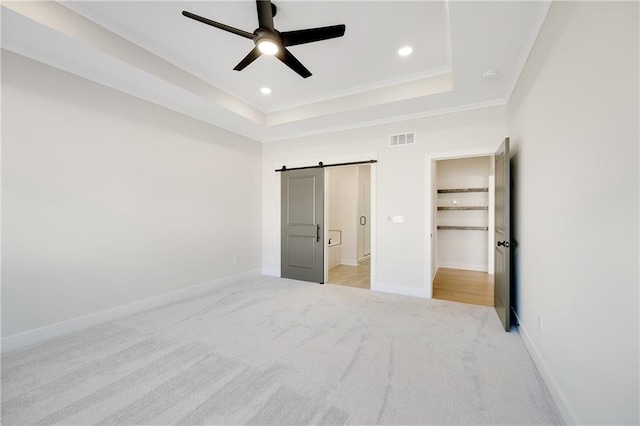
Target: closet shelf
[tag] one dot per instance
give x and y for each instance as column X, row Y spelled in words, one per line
column 458, row 190
column 464, row 208
column 464, row 228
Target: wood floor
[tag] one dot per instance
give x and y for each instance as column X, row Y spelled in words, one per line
column 352, row 276
column 456, row 285
column 463, row 286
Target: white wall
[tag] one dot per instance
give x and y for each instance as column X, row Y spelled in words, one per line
column 463, row 249
column 109, row 200
column 574, row 125
column 403, row 251
column 343, row 205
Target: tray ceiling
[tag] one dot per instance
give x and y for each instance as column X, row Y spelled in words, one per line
column 148, row 49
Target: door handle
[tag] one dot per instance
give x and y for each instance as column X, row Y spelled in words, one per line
column 363, row 220
column 317, row 233
column 503, row 243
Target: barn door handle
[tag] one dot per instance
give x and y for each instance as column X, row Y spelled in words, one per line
column 317, row 233
column 363, row 220
column 503, row 243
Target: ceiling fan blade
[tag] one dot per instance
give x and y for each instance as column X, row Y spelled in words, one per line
column 285, row 56
column 252, row 56
column 265, row 14
column 292, row 38
column 218, row 25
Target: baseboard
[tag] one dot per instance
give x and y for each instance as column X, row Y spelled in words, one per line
column 271, row 272
column 561, row 401
column 464, row 266
column 404, row 291
column 42, row 334
column 349, row 262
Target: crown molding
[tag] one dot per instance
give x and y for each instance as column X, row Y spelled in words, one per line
column 527, row 46
column 407, row 117
column 436, row 72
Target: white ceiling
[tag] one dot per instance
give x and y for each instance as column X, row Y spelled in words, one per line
column 148, row 49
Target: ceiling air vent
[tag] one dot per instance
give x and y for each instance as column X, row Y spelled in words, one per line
column 402, row 139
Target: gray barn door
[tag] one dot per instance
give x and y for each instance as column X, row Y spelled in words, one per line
column 502, row 278
column 302, row 240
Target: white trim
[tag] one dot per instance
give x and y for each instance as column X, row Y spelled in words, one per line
column 374, row 223
column 430, row 226
column 491, row 254
column 561, row 401
column 447, row 33
column 478, row 152
column 271, row 272
column 348, row 158
column 444, row 111
column 431, row 243
column 48, row 332
column 349, row 262
column 325, row 232
column 373, row 182
column 464, row 266
column 527, row 46
column 401, row 290
column 436, row 72
column 63, row 20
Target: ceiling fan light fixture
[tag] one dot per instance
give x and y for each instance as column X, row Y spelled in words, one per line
column 268, row 46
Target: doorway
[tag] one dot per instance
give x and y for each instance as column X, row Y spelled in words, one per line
column 348, row 222
column 462, row 228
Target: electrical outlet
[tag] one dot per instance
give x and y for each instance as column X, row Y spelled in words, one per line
column 540, row 322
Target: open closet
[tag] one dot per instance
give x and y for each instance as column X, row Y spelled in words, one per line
column 463, row 235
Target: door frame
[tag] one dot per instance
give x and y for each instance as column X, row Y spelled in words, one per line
column 430, row 200
column 372, row 217
column 362, row 156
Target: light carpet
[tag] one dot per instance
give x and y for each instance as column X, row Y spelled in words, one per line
column 267, row 350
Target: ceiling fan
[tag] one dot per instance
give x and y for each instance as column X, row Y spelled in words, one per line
column 270, row 41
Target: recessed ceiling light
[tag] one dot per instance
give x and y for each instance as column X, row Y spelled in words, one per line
column 405, row 51
column 265, row 90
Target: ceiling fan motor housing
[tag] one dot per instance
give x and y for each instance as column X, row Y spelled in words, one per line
column 263, row 35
